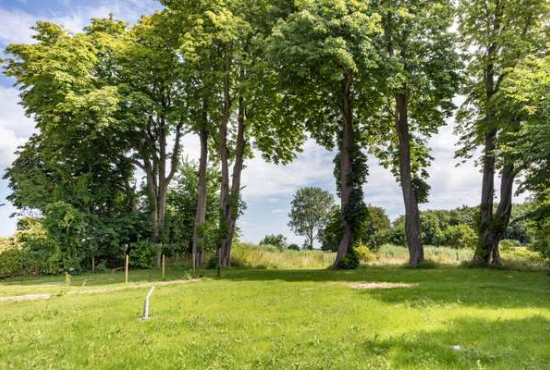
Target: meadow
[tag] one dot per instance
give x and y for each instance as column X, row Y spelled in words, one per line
column 450, row 317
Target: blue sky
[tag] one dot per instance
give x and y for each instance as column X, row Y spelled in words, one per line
column 268, row 188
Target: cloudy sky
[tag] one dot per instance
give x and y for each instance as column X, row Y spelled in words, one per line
column 269, row 188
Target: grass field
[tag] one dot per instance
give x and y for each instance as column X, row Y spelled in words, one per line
column 455, row 318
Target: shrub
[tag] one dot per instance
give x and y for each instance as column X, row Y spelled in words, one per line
column 278, row 240
column 294, row 247
column 460, row 236
column 142, row 254
column 12, row 262
column 364, row 254
column 508, row 244
column 349, row 262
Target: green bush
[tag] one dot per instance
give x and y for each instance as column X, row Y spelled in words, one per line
column 12, row 262
column 508, row 244
column 460, row 236
column 349, row 262
column 142, row 254
column 364, row 254
column 278, row 240
column 294, row 247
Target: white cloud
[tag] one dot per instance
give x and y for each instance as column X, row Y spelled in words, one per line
column 267, row 180
column 15, row 127
column 16, row 24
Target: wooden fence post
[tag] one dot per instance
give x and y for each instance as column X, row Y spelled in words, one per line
column 126, row 263
column 163, row 266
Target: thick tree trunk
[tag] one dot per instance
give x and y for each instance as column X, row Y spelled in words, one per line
column 200, row 216
column 482, row 254
column 224, row 184
column 346, row 168
column 155, row 167
column 229, row 205
column 412, row 215
column 501, row 217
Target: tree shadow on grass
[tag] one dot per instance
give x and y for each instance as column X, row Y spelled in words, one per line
column 441, row 286
column 100, row 278
column 469, row 343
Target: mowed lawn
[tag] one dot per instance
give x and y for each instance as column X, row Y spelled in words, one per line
column 455, row 318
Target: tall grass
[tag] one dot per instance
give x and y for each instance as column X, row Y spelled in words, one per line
column 270, row 257
column 514, row 258
column 398, row 255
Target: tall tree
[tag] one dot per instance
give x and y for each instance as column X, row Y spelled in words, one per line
column 194, row 24
column 244, row 108
column 182, row 206
column 326, row 58
column 496, row 34
column 132, row 78
column 420, row 79
column 148, row 75
column 526, row 91
column 68, row 167
column 310, row 213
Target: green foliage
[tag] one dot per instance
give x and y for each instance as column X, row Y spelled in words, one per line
column 143, row 253
column 12, row 262
column 177, row 236
column 373, row 231
column 460, row 236
column 350, row 261
column 364, row 254
column 509, row 244
column 309, row 213
column 293, row 247
column 456, row 227
column 277, row 240
column 419, row 61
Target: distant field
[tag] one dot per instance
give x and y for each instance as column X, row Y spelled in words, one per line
column 454, row 318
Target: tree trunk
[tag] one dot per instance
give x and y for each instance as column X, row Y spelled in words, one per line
column 229, row 206
column 502, row 216
column 412, row 215
column 200, row 216
column 346, row 168
column 482, row 254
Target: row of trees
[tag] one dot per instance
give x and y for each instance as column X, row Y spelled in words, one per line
column 113, row 102
column 314, row 216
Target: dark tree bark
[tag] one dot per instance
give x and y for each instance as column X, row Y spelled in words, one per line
column 229, row 197
column 346, row 167
column 483, row 253
column 412, row 215
column 200, row 216
column 501, row 218
column 160, row 168
column 485, row 243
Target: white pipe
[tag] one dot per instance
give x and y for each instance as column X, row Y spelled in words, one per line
column 146, row 303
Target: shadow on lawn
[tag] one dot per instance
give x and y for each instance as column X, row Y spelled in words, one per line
column 468, row 343
column 441, row 286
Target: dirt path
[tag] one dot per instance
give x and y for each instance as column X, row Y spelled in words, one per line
column 33, row 297
column 381, row 285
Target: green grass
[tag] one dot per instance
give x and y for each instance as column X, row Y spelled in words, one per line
column 283, row 319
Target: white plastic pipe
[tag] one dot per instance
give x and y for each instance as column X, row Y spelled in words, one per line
column 146, row 303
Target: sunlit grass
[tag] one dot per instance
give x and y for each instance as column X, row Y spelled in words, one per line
column 455, row 318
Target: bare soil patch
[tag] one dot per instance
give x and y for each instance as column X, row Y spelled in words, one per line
column 380, row 285
column 33, row 297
